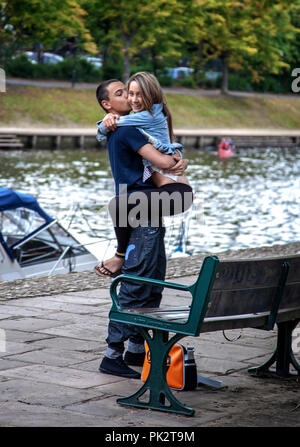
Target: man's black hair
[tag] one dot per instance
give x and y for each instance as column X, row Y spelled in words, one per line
column 102, row 93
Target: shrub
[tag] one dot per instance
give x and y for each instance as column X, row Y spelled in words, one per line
column 141, row 67
column 85, row 71
column 112, row 70
column 21, row 67
column 187, row 82
column 165, row 81
column 274, row 84
column 238, row 81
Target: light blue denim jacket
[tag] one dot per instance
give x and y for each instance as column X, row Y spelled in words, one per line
column 153, row 127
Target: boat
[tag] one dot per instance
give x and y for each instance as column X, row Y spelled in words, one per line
column 225, row 153
column 226, row 148
column 32, row 243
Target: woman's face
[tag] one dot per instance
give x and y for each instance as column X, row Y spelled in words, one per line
column 135, row 97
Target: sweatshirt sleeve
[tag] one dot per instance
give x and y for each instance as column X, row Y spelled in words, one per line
column 102, row 131
column 135, row 119
column 143, row 118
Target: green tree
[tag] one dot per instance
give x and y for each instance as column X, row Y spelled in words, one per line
column 130, row 27
column 43, row 22
column 290, row 49
column 243, row 31
column 275, row 36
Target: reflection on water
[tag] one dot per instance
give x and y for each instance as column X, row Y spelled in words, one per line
column 250, row 200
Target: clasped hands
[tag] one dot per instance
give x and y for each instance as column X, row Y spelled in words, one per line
column 179, row 167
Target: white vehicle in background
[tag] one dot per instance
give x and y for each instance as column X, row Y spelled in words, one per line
column 48, row 58
column 31, row 56
column 95, row 61
column 179, row 72
column 51, row 58
column 186, row 72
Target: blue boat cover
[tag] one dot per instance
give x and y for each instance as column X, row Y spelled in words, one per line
column 10, row 200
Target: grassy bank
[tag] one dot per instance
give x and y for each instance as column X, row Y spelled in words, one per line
column 51, row 107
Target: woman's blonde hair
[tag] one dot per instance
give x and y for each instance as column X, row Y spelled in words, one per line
column 152, row 94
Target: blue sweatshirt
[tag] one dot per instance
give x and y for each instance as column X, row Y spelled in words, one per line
column 153, row 126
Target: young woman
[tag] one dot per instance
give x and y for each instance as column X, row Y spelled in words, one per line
column 153, row 118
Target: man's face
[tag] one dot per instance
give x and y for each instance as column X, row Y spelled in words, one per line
column 117, row 102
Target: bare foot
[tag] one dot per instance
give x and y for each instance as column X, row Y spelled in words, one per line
column 111, row 266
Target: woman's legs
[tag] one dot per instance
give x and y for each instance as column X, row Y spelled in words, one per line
column 153, row 204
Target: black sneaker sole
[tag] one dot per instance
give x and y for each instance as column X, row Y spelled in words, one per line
column 134, row 359
column 134, row 363
column 126, row 376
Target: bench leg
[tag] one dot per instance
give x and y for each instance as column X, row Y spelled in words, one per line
column 283, row 354
column 159, row 396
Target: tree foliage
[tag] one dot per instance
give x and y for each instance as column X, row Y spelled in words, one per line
column 42, row 22
column 131, row 27
column 257, row 37
column 251, row 34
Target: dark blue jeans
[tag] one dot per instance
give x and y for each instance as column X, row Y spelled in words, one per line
column 145, row 256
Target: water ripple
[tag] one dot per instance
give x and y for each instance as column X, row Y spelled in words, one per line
column 248, row 201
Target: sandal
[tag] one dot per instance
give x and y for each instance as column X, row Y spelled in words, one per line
column 110, row 273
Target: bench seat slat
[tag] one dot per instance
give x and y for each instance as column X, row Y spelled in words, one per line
column 229, row 303
column 155, row 310
column 254, row 320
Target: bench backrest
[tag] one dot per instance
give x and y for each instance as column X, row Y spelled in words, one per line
column 227, row 294
column 256, row 286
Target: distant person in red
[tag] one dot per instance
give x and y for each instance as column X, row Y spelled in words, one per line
column 227, row 144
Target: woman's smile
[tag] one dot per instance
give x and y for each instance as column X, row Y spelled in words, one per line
column 135, row 98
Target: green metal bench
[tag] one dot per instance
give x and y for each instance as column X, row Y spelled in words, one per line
column 234, row 294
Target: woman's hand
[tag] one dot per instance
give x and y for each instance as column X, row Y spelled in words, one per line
column 180, row 166
column 109, row 121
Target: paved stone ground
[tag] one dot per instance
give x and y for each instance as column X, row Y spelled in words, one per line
column 49, row 371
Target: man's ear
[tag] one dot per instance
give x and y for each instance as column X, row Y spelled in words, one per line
column 106, row 105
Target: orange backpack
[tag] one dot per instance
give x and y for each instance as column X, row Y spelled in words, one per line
column 182, row 369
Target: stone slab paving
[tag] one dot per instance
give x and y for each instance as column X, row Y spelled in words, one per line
column 49, row 371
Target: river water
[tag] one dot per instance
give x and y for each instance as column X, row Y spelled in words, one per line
column 250, row 200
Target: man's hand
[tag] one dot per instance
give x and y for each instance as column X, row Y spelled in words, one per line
column 109, row 121
column 179, row 167
column 172, row 164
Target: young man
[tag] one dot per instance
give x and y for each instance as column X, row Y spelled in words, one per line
column 126, row 148
column 145, row 255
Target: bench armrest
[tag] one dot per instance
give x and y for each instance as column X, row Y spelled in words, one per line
column 200, row 292
column 142, row 280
